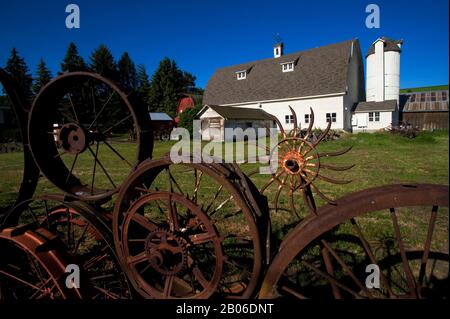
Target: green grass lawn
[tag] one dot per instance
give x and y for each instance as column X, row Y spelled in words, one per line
column 380, row 158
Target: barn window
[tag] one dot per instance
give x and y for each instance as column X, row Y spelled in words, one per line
column 331, row 116
column 433, row 96
column 287, row 67
column 241, row 75
column 413, row 98
column 374, row 116
column 444, row 96
column 422, row 97
column 307, row 118
column 289, row 119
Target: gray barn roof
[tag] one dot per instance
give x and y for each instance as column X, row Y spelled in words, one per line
column 384, row 106
column 317, row 71
column 238, row 113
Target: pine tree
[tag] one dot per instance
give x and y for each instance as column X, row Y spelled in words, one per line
column 168, row 82
column 43, row 76
column 143, row 84
column 102, row 62
column 73, row 61
column 127, row 72
column 19, row 71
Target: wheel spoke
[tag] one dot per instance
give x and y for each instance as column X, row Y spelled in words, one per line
column 331, row 279
column 168, row 285
column 73, row 108
column 173, row 215
column 93, row 170
column 426, row 251
column 72, row 167
column 118, row 123
column 101, row 110
column 370, row 254
column 346, row 268
column 406, row 267
column 144, row 222
column 101, row 166
column 117, row 153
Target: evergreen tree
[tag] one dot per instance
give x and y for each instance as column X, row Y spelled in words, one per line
column 168, row 82
column 43, row 76
column 19, row 71
column 102, row 62
column 143, row 84
column 73, row 61
column 127, row 72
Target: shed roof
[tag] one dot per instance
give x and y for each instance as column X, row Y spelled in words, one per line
column 237, row 113
column 384, row 106
column 317, row 71
column 430, row 101
column 157, row 116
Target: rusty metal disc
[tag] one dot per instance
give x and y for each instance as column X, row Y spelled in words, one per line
column 410, row 252
column 82, row 117
column 32, row 266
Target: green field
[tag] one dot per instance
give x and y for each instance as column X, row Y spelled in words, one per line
column 425, row 89
column 379, row 158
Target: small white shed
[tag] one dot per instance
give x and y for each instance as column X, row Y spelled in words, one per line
column 216, row 119
column 373, row 116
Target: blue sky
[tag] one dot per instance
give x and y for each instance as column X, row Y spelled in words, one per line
column 202, row 35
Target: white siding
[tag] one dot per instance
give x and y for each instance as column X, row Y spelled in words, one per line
column 320, row 106
column 392, row 75
column 361, row 121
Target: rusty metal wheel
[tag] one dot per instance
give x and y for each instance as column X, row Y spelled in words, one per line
column 190, row 231
column 87, row 237
column 402, row 232
column 33, row 265
column 84, row 118
column 296, row 165
column 19, row 119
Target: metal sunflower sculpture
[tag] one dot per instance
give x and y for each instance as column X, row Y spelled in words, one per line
column 300, row 165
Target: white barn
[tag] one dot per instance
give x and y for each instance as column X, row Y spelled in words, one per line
column 329, row 79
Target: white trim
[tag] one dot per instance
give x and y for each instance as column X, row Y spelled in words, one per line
column 287, row 66
column 288, row 99
column 241, row 75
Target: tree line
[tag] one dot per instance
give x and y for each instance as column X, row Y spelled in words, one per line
column 160, row 93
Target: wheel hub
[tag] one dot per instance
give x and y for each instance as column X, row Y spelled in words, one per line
column 73, row 138
column 293, row 162
column 166, row 252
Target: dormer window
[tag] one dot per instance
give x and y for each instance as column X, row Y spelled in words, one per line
column 287, row 66
column 241, row 75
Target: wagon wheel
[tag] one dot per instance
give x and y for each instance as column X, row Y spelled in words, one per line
column 410, row 250
column 188, row 231
column 87, row 237
column 31, row 267
column 20, row 106
column 84, row 118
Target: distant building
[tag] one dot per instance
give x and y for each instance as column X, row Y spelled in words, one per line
column 328, row 79
column 380, row 109
column 215, row 119
column 425, row 110
column 162, row 125
column 187, row 101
